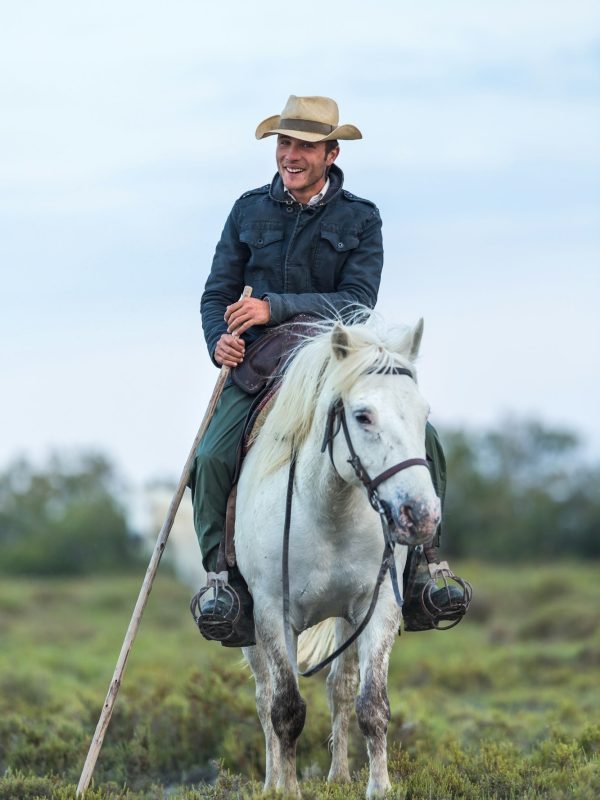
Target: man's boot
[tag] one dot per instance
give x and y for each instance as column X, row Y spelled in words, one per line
column 433, row 596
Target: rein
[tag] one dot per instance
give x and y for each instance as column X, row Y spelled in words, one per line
column 336, row 420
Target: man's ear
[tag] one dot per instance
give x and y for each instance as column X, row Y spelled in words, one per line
column 332, row 155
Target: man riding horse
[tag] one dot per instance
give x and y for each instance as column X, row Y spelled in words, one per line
column 307, row 246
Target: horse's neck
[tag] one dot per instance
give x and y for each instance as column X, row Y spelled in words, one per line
column 327, row 495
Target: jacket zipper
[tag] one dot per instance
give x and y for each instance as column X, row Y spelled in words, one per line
column 287, row 252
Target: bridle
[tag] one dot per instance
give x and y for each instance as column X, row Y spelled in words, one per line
column 336, row 421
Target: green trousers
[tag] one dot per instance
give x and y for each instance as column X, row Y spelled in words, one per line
column 214, row 468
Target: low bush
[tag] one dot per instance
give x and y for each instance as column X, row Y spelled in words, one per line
column 472, row 719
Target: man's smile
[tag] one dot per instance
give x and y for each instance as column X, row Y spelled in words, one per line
column 303, row 166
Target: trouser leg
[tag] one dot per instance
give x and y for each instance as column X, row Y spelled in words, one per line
column 437, row 466
column 212, row 475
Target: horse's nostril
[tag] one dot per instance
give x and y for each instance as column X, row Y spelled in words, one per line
column 408, row 513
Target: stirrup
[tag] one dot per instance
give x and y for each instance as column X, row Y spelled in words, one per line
column 445, row 598
column 216, row 608
column 435, row 598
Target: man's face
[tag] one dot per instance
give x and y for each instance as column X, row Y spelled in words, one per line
column 303, row 166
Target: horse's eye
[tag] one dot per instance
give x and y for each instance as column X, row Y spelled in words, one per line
column 363, row 418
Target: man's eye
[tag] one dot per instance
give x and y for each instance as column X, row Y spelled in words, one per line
column 308, row 145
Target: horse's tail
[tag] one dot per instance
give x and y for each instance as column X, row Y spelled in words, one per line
column 315, row 643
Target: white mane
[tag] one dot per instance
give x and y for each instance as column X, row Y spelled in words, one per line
column 315, row 371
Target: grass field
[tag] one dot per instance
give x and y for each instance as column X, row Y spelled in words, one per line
column 504, row 706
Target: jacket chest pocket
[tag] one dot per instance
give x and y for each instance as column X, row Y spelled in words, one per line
column 264, row 267
column 334, row 247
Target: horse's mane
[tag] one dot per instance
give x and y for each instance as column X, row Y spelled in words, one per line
column 314, row 371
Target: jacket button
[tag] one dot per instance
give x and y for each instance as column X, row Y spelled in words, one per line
column 340, row 244
column 289, row 209
column 259, row 241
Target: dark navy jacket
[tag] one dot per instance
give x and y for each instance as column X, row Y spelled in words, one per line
column 305, row 259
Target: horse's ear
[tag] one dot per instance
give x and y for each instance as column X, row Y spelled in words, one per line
column 417, row 335
column 340, row 341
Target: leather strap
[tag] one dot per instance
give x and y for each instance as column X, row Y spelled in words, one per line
column 230, row 527
column 431, row 553
column 285, row 563
column 391, row 371
column 410, row 462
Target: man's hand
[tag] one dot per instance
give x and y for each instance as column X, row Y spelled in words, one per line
column 245, row 313
column 229, row 351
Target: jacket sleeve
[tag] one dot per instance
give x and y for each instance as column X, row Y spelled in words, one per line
column 225, row 283
column 357, row 285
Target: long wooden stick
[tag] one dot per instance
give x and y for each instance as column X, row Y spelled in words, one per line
column 115, row 684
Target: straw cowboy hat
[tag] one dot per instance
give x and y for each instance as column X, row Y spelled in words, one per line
column 312, row 119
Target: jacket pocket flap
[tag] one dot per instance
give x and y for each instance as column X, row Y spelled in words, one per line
column 260, row 238
column 340, row 241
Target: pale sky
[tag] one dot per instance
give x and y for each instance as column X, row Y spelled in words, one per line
column 128, row 132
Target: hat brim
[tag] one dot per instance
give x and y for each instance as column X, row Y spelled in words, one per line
column 271, row 127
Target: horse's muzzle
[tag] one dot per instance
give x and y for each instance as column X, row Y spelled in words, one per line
column 412, row 524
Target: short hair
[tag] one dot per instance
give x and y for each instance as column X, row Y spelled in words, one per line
column 331, row 145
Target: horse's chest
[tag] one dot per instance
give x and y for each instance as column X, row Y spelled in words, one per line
column 327, row 588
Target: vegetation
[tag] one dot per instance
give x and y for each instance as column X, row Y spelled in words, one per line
column 66, row 518
column 517, row 491
column 503, row 706
column 521, row 490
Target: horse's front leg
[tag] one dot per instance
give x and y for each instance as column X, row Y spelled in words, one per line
column 288, row 709
column 342, row 683
column 372, row 705
column 257, row 658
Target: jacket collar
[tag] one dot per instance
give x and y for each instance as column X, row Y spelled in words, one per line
column 336, row 181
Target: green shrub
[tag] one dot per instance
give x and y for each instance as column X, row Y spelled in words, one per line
column 471, row 719
column 63, row 519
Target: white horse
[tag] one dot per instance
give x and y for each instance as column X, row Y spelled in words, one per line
column 336, row 537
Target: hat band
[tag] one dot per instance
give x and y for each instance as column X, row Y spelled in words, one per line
column 306, row 125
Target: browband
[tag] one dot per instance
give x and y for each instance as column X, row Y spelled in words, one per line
column 391, row 371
